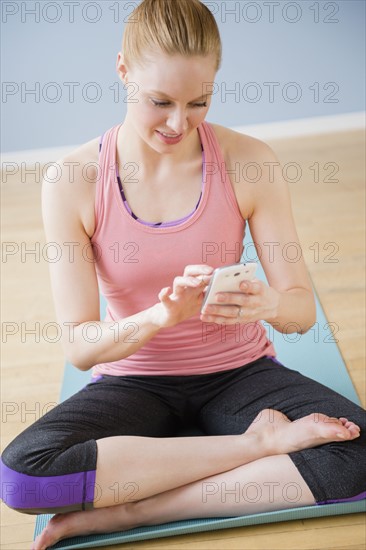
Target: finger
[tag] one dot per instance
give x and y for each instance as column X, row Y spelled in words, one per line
column 252, row 287
column 196, row 270
column 184, row 282
column 223, row 320
column 230, row 312
column 234, row 298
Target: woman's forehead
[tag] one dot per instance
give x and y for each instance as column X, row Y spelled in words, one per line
column 170, row 74
column 160, row 61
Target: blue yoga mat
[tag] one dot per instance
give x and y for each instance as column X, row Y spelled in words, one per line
column 314, row 354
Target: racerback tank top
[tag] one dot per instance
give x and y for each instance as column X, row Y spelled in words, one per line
column 134, row 261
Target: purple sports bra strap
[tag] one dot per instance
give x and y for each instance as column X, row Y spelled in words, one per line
column 100, row 142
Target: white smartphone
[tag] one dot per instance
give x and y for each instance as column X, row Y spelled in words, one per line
column 228, row 279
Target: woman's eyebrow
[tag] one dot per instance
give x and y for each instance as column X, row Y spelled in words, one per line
column 168, row 97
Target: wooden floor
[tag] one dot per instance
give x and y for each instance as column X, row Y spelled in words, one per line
column 330, row 219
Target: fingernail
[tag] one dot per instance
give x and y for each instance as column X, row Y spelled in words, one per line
column 341, row 436
column 244, row 286
column 207, row 269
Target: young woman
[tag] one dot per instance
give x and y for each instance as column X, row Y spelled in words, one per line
column 163, row 208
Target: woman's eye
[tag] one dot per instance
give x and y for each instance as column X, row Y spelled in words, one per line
column 160, row 103
column 167, row 103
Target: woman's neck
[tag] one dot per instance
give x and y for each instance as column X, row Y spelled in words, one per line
column 133, row 149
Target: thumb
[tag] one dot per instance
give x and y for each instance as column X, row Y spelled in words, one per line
column 164, row 294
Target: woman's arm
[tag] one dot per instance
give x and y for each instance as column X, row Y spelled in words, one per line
column 86, row 340
column 287, row 302
column 273, row 230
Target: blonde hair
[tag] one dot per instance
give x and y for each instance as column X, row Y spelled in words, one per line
column 185, row 27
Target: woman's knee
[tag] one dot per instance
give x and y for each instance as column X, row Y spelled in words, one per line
column 16, row 473
column 38, row 478
column 335, row 472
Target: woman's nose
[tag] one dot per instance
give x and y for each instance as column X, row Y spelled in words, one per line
column 177, row 121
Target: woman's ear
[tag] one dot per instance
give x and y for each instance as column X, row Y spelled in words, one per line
column 121, row 68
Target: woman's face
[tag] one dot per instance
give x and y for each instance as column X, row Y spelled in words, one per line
column 168, row 98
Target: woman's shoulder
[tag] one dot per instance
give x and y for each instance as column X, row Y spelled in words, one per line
column 243, row 156
column 71, row 180
column 76, row 167
column 237, row 146
column 86, row 153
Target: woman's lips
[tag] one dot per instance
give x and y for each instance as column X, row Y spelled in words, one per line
column 170, row 140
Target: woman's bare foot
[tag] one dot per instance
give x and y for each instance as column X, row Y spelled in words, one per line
column 281, row 436
column 98, row 520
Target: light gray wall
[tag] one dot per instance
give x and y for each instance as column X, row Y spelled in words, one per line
column 311, row 51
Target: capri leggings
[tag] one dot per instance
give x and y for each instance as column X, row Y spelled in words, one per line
column 50, row 467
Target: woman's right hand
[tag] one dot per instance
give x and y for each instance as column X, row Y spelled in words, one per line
column 184, row 298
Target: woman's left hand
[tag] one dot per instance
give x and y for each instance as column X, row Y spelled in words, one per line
column 256, row 302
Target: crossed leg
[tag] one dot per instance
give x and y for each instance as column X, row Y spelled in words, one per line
column 195, row 476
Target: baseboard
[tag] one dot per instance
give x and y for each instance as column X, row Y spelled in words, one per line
column 305, row 126
column 270, row 131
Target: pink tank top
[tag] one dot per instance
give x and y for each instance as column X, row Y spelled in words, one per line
column 134, row 261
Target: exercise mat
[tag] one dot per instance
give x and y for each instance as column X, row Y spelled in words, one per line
column 314, row 354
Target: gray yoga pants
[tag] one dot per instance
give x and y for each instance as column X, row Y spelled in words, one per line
column 50, row 467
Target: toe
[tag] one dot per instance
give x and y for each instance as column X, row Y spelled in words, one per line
column 354, row 431
column 334, row 420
